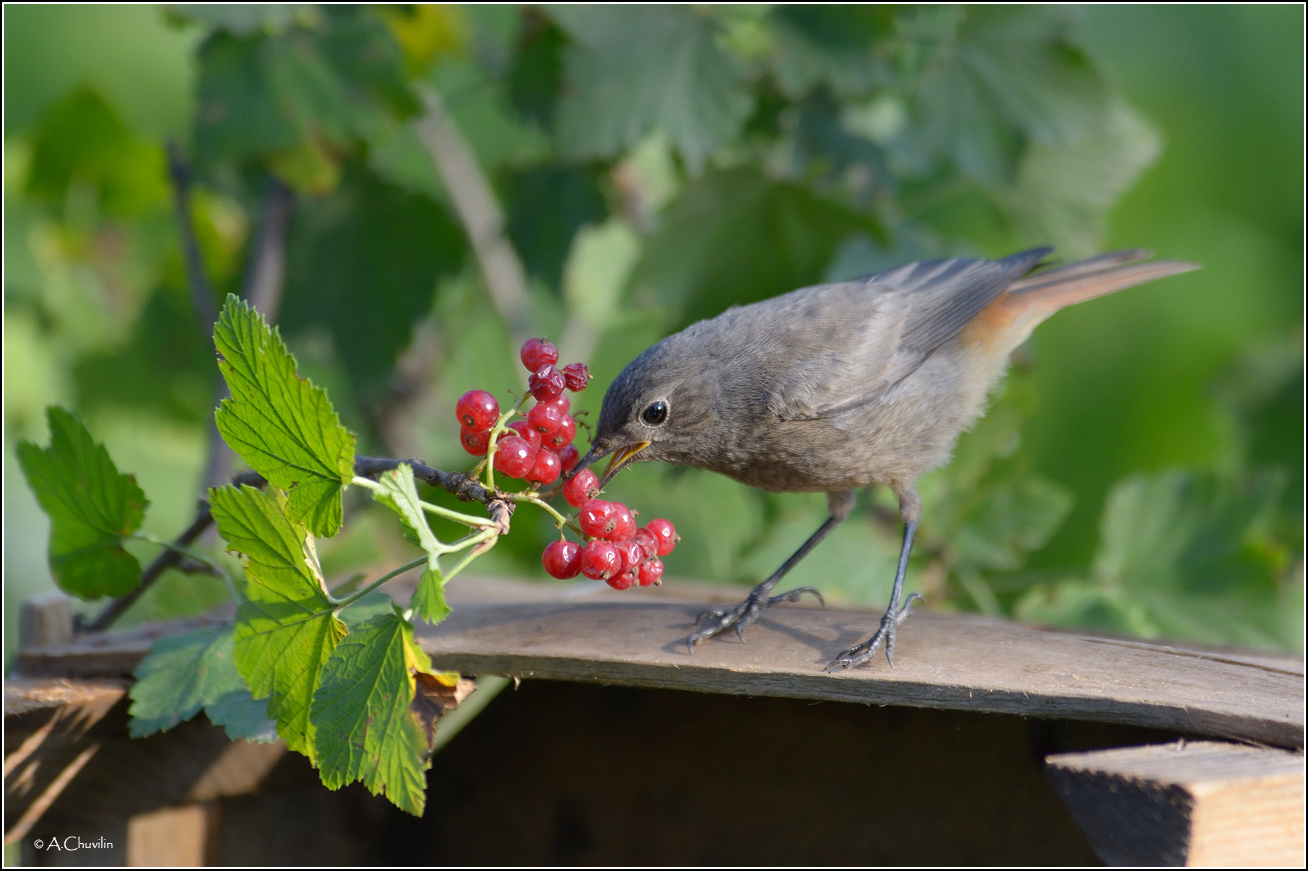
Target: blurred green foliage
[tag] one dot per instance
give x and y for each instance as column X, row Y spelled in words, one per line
column 1141, row 469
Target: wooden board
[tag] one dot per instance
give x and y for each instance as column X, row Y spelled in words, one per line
column 586, row 632
column 1203, row 804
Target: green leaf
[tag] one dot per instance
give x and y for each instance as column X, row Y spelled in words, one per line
column 632, row 71
column 363, row 264
column 184, row 673
column 400, row 494
column 1187, row 556
column 301, row 96
column 536, row 76
column 284, row 427
column 997, row 77
column 92, row 509
column 286, row 627
column 362, row 715
column 569, row 194
column 1064, row 191
column 1010, row 520
column 832, row 45
column 735, row 237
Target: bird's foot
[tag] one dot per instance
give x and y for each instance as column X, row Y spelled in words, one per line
column 886, row 633
column 740, row 617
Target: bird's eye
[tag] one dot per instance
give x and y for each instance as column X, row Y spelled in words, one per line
column 656, row 413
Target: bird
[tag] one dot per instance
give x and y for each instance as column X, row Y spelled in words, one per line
column 839, row 387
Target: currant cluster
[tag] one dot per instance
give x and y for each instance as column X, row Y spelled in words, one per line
column 616, row 551
column 541, row 447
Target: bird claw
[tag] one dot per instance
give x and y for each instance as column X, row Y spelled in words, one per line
column 795, row 595
column 885, row 633
column 740, row 617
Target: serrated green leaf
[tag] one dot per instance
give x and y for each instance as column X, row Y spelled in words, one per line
column 1009, row 521
column 735, row 237
column 1183, row 555
column 1064, row 191
column 400, row 494
column 636, row 70
column 999, row 77
column 831, row 45
column 361, row 713
column 284, row 427
column 286, row 627
column 184, row 673
column 92, row 509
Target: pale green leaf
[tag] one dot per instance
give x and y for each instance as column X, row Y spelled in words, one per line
column 92, row 509
column 283, row 426
column 400, row 494
column 361, row 712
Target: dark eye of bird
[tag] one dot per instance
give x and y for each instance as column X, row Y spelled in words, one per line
column 655, row 414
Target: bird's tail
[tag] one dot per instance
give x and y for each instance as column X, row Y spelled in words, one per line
column 1047, row 292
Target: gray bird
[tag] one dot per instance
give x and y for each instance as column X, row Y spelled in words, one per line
column 842, row 386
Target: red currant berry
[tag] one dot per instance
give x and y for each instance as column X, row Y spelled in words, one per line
column 546, row 383
column 524, row 430
column 600, row 561
column 566, row 432
column 594, row 518
column 650, row 573
column 546, row 468
column 514, row 457
column 648, row 542
column 569, row 457
column 546, row 420
column 477, row 410
column 562, row 559
column 576, row 376
column 622, row 580
column 474, row 443
column 631, row 554
column 537, row 353
column 561, row 402
column 622, row 525
column 580, row 487
column 666, row 533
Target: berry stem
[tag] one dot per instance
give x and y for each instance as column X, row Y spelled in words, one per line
column 534, row 499
column 341, row 604
column 436, row 510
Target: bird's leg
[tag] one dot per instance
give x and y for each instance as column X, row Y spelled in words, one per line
column 741, row 616
column 910, row 508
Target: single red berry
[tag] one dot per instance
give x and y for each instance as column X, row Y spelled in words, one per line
column 650, row 573
column 622, row 580
column 546, row 420
column 474, row 443
column 648, row 542
column 524, row 430
column 514, row 456
column 622, row 525
column 537, row 353
column 666, row 533
column 545, row 469
column 569, row 457
column 477, row 410
column 566, row 432
column 546, row 383
column 562, row 559
column 631, row 553
column 600, row 561
column 561, row 402
column 580, row 487
column 594, row 518
column 576, row 376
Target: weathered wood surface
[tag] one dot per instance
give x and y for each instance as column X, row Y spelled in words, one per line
column 1202, row 804
column 585, row 632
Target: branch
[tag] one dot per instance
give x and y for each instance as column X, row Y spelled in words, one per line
column 480, row 213
column 206, row 309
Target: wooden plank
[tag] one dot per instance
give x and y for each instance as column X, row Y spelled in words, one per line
column 1203, row 804
column 586, row 632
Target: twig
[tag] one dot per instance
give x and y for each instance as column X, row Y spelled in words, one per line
column 170, row 557
column 480, row 213
column 267, row 267
column 206, row 308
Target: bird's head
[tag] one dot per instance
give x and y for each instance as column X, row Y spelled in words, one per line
column 658, row 408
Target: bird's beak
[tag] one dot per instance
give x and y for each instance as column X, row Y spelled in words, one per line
column 617, row 463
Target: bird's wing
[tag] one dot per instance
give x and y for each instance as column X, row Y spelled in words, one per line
column 875, row 332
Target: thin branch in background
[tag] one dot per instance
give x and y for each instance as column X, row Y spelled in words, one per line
column 480, row 213
column 206, row 309
column 265, row 274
